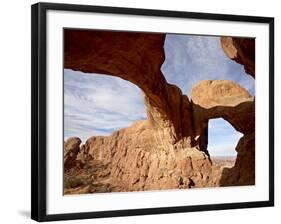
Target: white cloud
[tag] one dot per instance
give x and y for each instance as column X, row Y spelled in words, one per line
column 190, row 59
column 98, row 104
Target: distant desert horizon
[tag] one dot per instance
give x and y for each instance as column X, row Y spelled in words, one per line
column 224, row 161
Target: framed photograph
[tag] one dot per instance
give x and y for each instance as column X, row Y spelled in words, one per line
column 139, row 111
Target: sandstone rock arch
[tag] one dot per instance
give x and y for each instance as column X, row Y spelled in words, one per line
column 135, row 57
column 227, row 100
column 169, row 149
column 223, row 99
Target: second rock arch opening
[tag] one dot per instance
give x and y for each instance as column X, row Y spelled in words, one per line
column 222, row 141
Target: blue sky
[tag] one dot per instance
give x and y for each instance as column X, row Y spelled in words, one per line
column 99, row 104
column 222, row 138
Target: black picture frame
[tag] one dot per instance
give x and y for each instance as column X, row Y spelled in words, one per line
column 39, row 108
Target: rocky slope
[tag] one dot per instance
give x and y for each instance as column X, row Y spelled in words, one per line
column 169, row 150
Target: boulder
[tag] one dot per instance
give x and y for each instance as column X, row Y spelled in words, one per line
column 71, row 150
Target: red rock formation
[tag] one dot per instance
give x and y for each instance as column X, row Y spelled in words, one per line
column 140, row 158
column 241, row 50
column 223, row 99
column 71, row 150
column 166, row 151
column 243, row 172
column 227, row 100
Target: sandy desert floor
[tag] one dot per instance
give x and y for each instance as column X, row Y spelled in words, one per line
column 224, row 161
